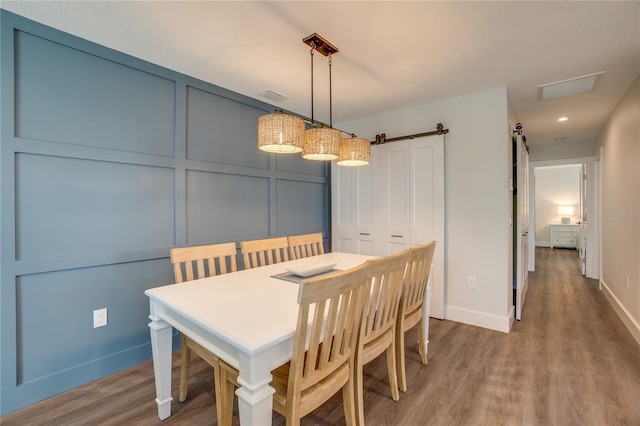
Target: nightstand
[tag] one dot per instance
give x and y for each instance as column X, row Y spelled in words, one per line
column 564, row 236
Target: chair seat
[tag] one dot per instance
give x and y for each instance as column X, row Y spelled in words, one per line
column 373, row 348
column 312, row 397
column 211, row 359
column 412, row 318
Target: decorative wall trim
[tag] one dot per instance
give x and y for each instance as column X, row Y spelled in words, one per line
column 106, row 162
column 43, row 387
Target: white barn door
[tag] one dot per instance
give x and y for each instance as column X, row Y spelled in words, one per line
column 395, row 202
column 427, row 221
column 522, row 226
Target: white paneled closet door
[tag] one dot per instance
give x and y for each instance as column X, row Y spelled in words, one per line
column 353, row 212
column 394, row 198
column 364, row 198
column 426, row 212
column 394, row 203
column 342, row 209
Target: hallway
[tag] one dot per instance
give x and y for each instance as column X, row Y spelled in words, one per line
column 582, row 365
column 570, row 361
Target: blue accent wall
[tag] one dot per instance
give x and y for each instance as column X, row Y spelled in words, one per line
column 106, row 162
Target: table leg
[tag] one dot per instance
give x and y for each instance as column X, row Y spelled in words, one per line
column 425, row 319
column 161, row 349
column 255, row 396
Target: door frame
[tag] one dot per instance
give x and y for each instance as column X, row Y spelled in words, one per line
column 593, row 214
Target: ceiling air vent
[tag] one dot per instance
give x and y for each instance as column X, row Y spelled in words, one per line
column 272, row 95
column 572, row 86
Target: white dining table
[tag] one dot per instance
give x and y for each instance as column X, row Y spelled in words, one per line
column 247, row 318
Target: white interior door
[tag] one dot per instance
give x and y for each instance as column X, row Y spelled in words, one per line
column 394, row 192
column 343, row 217
column 395, row 202
column 426, row 212
column 364, row 197
column 352, row 208
column 522, row 226
column 532, row 219
column 582, row 233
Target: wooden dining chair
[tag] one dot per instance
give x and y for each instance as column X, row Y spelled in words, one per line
column 379, row 321
column 411, row 307
column 322, row 362
column 305, row 245
column 264, row 252
column 190, row 263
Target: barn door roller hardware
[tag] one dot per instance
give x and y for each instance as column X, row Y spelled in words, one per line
column 382, row 137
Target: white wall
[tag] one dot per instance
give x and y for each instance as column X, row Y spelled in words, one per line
column 565, row 150
column 555, row 186
column 620, row 157
column 478, row 201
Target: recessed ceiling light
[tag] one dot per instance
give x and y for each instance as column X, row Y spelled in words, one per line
column 572, row 86
column 562, row 119
column 560, row 139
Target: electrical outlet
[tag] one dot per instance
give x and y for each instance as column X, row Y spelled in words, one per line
column 471, row 281
column 99, row 317
column 627, row 278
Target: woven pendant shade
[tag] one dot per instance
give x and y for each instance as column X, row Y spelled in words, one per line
column 321, row 144
column 280, row 133
column 354, row 152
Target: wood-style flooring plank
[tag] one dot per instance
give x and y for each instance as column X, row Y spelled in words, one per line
column 570, row 361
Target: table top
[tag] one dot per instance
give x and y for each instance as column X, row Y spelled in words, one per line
column 249, row 309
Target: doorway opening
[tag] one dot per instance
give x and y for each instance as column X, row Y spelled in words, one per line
column 564, row 210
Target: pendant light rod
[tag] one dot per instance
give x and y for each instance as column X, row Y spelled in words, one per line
column 330, row 95
column 313, row 47
column 313, row 122
column 382, row 138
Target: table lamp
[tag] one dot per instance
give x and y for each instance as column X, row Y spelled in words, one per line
column 565, row 212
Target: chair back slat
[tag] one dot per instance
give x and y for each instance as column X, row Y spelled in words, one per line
column 306, row 245
column 315, row 338
column 264, row 252
column 416, row 277
column 330, row 329
column 195, row 262
column 387, row 275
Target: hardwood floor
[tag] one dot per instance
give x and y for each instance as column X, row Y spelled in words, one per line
column 570, row 361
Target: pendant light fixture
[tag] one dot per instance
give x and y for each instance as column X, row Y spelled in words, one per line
column 321, row 144
column 354, row 152
column 284, row 132
column 280, row 133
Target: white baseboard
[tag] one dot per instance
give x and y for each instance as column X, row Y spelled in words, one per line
column 512, row 316
column 543, row 243
column 479, row 319
column 631, row 324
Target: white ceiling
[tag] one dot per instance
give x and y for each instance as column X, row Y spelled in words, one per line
column 392, row 53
